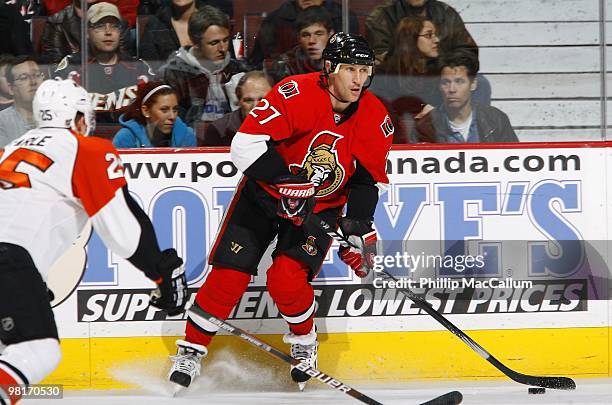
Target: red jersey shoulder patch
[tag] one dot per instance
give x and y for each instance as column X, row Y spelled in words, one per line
column 289, row 89
column 387, row 127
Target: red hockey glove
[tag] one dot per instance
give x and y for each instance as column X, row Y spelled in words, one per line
column 171, row 292
column 361, row 257
column 296, row 198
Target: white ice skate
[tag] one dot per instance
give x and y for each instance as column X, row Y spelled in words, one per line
column 186, row 362
column 303, row 348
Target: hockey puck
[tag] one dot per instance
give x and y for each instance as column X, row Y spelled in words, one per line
column 536, row 390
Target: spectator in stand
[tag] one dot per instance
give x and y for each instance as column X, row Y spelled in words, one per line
column 14, row 31
column 150, row 7
column 6, row 95
column 152, row 120
column 62, row 34
column 110, row 76
column 251, row 88
column 277, row 32
column 24, row 76
column 381, row 24
column 459, row 119
column 314, row 27
column 166, row 31
column 201, row 73
column 407, row 81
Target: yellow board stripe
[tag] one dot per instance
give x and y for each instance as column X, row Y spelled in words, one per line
column 109, row 363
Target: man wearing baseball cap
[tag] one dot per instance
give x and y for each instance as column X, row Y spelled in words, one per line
column 111, row 76
column 62, row 32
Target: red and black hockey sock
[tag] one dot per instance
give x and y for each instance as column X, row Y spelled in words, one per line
column 217, row 296
column 289, row 288
column 10, row 376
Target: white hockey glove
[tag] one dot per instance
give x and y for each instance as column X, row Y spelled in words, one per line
column 359, row 233
column 171, row 292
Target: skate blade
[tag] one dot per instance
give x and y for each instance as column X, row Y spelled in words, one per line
column 301, row 386
column 177, row 389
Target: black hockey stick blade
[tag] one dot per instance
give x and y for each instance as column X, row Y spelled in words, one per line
column 450, row 398
column 558, row 383
column 561, row 383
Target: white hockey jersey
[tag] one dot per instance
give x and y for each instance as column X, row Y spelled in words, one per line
column 51, row 181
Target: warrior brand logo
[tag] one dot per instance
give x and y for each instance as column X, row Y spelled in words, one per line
column 289, row 89
column 310, row 247
column 235, row 247
column 387, row 127
column 304, row 191
column 321, row 164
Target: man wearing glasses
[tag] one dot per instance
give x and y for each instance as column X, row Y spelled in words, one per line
column 111, row 77
column 23, row 76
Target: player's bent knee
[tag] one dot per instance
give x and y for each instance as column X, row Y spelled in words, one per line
column 35, row 359
column 286, row 280
column 226, row 286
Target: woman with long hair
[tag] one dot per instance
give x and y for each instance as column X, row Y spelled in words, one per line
column 414, row 49
column 152, row 120
column 407, row 80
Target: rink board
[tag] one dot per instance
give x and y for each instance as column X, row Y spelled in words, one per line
column 529, row 195
column 357, row 357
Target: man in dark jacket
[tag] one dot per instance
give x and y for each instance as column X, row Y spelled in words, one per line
column 450, row 28
column 159, row 39
column 277, row 32
column 459, row 120
column 202, row 73
column 62, row 34
column 110, row 78
column 314, row 28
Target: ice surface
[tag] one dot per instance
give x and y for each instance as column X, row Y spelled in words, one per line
column 231, row 380
column 588, row 391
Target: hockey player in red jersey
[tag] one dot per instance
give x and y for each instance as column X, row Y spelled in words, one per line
column 52, row 180
column 315, row 143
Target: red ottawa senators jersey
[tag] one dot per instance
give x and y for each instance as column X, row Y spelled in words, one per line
column 297, row 115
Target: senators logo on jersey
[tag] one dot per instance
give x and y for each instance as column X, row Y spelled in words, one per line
column 321, row 165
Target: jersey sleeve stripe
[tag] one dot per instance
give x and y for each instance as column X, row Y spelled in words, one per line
column 94, row 179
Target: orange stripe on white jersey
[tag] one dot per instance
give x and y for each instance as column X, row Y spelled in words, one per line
column 98, row 173
column 7, row 380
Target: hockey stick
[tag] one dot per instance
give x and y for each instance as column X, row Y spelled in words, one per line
column 562, row 383
column 450, row 398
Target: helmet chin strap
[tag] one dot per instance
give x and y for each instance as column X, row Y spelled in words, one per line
column 334, row 96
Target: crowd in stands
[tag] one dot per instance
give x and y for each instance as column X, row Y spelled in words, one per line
column 173, row 72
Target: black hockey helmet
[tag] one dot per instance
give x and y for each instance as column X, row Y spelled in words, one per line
column 351, row 49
